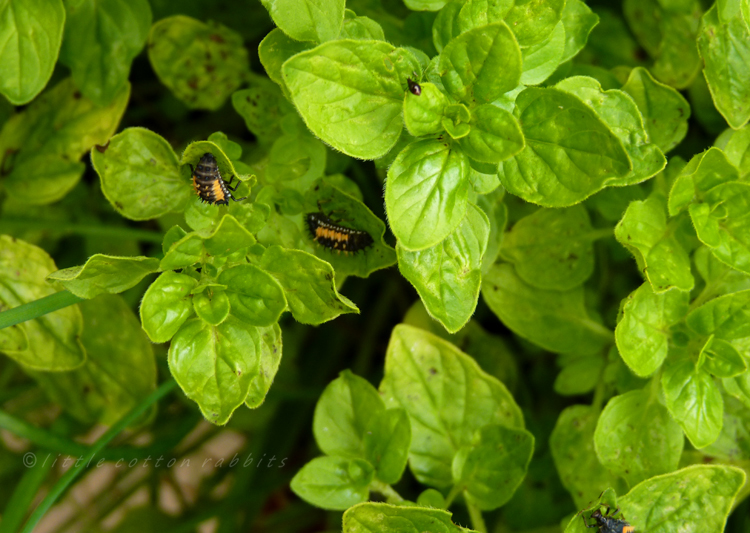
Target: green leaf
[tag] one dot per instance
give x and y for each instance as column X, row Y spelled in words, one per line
column 448, row 276
column 572, row 447
column 424, row 5
column 720, row 358
column 262, row 106
column 307, row 20
column 445, row 413
column 722, row 223
column 727, row 317
column 431, row 498
column 173, row 234
column 342, row 415
column 299, row 157
column 493, row 466
column 456, row 120
column 665, row 111
column 386, row 444
column 334, row 483
column 140, row 175
column 551, row 248
column 497, row 213
column 275, row 49
column 481, row 64
column 620, row 113
column 732, row 444
column 338, row 87
column 426, row 193
column 308, row 283
column 31, row 34
column 270, row 357
column 102, row 37
column 540, row 60
column 725, row 48
column 52, row 341
column 704, row 172
column 449, row 23
column 579, row 376
column 423, row 113
column 363, row 28
column 120, row 370
column 166, row 305
column 105, row 274
column 555, row 320
column 710, row 490
column 495, row 135
column 668, row 33
column 694, row 400
column 636, row 438
column 570, row 153
column 212, row 306
column 372, row 517
column 42, row 144
column 643, row 332
column 483, row 178
column 476, row 13
column 578, row 20
column 645, row 232
column 719, row 278
column 610, row 44
column 202, row 64
column 739, row 388
column 533, row 21
column 737, row 150
column 215, row 365
column 255, row 296
column 224, row 239
column 343, row 208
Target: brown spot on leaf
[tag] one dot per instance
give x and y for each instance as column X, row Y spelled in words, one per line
column 102, row 148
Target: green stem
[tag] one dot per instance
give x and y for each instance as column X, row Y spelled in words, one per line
column 477, row 520
column 37, row 308
column 386, row 490
column 41, row 437
column 599, row 392
column 23, row 496
column 98, row 446
column 455, row 491
column 63, row 446
column 115, row 232
column 599, row 233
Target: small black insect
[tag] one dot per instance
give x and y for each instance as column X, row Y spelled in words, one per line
column 607, row 523
column 334, row 237
column 414, row 87
column 209, row 184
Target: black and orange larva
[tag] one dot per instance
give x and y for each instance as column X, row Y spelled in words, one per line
column 208, row 183
column 335, row 237
column 607, row 523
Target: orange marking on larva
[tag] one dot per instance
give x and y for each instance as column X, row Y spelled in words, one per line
column 218, row 191
column 628, row 529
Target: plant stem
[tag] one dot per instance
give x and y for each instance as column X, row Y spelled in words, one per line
column 22, row 497
column 477, row 520
column 386, row 490
column 37, row 308
column 599, row 233
column 115, row 232
column 455, row 491
column 99, row 445
column 599, row 392
column 41, row 437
